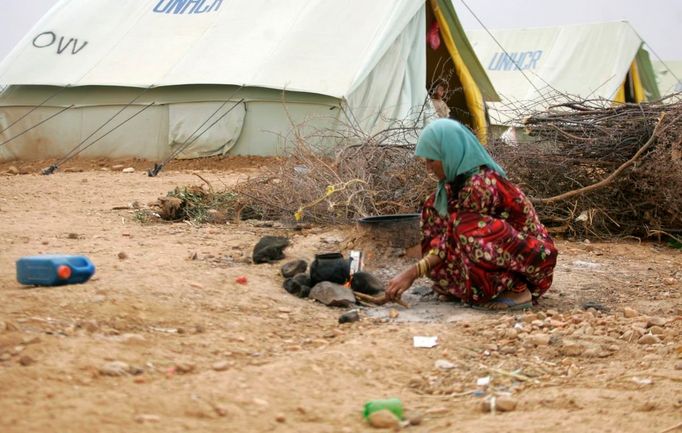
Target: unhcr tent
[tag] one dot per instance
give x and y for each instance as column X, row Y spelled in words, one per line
column 603, row 60
column 245, row 69
column 669, row 76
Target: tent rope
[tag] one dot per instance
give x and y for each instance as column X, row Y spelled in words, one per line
column 159, row 166
column 37, row 125
column 61, row 89
column 51, row 169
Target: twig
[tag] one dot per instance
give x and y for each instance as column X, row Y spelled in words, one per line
column 517, row 376
column 673, row 428
column 210, row 187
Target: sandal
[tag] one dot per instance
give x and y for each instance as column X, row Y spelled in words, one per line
column 510, row 303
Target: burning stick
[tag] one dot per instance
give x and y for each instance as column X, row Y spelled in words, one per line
column 378, row 300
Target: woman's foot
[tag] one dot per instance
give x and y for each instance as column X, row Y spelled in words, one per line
column 510, row 301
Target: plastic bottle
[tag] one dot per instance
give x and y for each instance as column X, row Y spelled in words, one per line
column 54, row 270
column 392, row 404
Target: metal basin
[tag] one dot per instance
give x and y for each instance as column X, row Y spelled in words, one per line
column 397, row 230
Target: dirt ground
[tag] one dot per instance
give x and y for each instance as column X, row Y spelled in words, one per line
column 163, row 339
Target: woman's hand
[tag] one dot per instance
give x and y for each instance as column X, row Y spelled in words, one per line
column 400, row 283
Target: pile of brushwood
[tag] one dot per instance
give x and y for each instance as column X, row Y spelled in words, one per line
column 330, row 177
column 595, row 169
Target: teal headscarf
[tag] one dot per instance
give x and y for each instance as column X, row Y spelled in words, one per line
column 459, row 151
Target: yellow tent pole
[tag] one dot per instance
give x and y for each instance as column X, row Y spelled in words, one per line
column 472, row 93
column 619, row 97
column 639, row 94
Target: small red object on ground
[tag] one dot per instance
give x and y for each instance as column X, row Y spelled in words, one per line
column 241, row 279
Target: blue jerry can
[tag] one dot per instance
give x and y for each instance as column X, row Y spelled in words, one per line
column 54, row 270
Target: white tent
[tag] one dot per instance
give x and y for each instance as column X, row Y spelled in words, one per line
column 602, row 60
column 276, row 63
column 669, row 76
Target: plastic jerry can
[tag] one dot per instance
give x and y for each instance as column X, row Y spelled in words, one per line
column 54, row 270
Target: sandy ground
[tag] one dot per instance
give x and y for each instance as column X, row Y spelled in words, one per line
column 204, row 353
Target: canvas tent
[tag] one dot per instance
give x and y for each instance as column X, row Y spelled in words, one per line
column 321, row 62
column 669, row 76
column 602, row 60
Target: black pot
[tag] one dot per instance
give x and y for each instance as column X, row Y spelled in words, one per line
column 330, row 267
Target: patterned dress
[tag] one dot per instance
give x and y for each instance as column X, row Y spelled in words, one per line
column 491, row 242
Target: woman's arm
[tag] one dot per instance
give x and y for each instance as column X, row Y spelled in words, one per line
column 401, row 282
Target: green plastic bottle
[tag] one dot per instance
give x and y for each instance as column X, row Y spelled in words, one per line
column 392, row 404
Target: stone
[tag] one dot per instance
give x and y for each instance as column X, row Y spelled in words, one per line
column 13, row 170
column 508, row 350
column 505, row 403
column 294, row 267
column 539, row 339
column 383, row 419
column 541, row 315
column 649, row 339
column 280, row 418
column 122, row 255
column 299, row 285
column 261, row 402
column 501, row 404
column 220, row 365
column 118, row 167
column 556, row 323
column 415, row 419
column 146, row 418
column 630, row 312
column 349, row 317
column 529, row 317
column 443, row 364
column 656, row 321
column 594, row 351
column 657, row 330
column 571, row 348
column 678, row 366
column 185, row 367
column 366, row 283
column 26, row 361
column 269, row 249
column 128, row 170
column 216, row 216
column 332, row 294
column 115, row 368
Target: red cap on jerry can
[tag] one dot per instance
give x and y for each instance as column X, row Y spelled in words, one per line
column 64, row 272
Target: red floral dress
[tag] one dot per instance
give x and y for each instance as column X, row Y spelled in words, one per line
column 491, row 242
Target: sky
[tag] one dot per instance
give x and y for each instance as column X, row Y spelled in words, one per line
column 659, row 22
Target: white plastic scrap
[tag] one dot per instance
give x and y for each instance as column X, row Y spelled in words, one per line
column 424, row 342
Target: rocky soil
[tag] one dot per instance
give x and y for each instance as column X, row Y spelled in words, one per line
column 178, row 330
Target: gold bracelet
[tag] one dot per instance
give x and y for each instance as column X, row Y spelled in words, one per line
column 423, row 267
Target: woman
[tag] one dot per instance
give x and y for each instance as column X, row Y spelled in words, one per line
column 482, row 240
